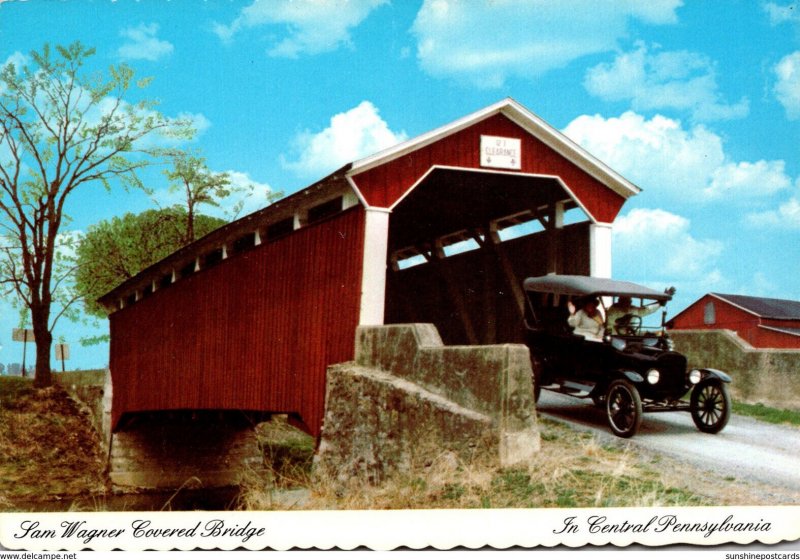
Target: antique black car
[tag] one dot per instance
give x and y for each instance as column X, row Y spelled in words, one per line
column 627, row 365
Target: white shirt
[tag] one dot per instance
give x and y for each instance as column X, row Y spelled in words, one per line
column 591, row 328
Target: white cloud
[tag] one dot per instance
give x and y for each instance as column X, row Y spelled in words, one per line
column 199, row 122
column 764, row 285
column 142, row 43
column 661, row 156
column 787, row 87
column 18, row 59
column 166, row 139
column 786, row 216
column 748, row 179
column 351, row 135
column 782, row 14
column 657, row 246
column 310, row 26
column 256, row 195
column 679, row 80
column 487, row 42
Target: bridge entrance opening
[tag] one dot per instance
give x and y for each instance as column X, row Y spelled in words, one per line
column 462, row 242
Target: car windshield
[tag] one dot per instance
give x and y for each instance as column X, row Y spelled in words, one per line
column 633, row 316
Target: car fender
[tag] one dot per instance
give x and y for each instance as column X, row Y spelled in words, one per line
column 631, row 376
column 710, row 373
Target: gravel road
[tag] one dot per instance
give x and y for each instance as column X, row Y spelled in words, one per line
column 749, row 450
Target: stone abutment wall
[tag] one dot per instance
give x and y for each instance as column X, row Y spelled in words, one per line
column 92, row 389
column 769, row 376
column 407, row 399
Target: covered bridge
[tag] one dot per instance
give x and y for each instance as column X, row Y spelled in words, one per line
column 441, row 229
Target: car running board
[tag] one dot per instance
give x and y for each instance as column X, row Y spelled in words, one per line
column 574, row 389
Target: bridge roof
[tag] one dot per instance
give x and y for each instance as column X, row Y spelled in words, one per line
column 349, row 179
column 284, row 208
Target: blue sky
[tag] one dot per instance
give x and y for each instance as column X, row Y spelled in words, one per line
column 698, row 103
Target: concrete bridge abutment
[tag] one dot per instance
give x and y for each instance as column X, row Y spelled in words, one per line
column 407, row 399
column 184, row 449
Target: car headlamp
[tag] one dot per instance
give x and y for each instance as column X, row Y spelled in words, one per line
column 653, row 376
column 695, row 376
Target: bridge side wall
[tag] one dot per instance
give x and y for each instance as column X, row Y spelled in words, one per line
column 254, row 332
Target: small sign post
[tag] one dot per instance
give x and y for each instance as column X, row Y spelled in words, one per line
column 62, row 353
column 23, row 335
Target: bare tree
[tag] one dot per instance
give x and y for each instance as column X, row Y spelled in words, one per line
column 63, row 128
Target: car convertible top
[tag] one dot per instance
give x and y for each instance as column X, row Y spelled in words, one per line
column 572, row 285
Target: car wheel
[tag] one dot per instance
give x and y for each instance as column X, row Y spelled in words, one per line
column 623, row 408
column 710, row 405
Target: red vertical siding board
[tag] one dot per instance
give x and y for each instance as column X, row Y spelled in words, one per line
column 254, row 332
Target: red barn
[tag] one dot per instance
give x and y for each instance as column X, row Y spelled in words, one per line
column 248, row 317
column 763, row 322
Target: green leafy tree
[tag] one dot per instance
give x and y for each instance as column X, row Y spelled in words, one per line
column 114, row 250
column 197, row 184
column 63, row 128
column 191, row 178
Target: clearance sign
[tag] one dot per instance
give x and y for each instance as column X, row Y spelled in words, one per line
column 500, row 152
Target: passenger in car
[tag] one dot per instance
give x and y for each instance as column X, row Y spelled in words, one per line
column 587, row 321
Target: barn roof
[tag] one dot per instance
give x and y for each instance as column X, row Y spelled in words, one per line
column 785, row 330
column 766, row 308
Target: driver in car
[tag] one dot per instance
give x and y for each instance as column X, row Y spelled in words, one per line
column 620, row 314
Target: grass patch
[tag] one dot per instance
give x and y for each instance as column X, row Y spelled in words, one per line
column 48, row 449
column 767, row 414
column 288, row 452
column 14, row 389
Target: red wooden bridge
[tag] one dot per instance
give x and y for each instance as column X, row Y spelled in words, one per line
column 439, row 229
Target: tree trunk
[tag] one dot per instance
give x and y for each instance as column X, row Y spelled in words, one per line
column 44, row 342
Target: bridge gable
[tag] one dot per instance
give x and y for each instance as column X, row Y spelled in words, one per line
column 384, row 179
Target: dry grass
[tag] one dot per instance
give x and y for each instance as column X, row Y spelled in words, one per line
column 48, row 449
column 572, row 470
column 288, row 458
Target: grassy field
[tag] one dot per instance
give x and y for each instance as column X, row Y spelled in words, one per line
column 767, row 414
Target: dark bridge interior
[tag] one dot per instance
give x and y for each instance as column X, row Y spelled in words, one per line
column 466, row 280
